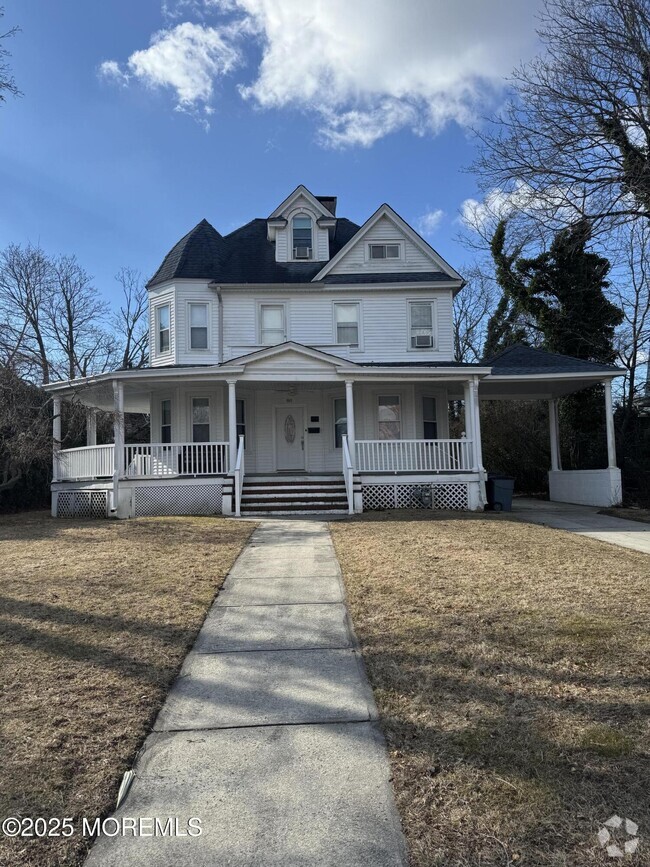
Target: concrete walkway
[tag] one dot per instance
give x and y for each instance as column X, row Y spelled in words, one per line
column 585, row 521
column 269, row 735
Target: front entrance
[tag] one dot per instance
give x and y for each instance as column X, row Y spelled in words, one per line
column 289, row 438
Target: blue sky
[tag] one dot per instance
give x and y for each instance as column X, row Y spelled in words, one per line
column 140, row 118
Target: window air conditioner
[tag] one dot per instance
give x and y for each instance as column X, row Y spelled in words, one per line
column 423, row 341
column 302, row 252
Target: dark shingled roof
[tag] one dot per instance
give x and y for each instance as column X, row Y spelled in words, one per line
column 401, row 277
column 197, row 254
column 520, row 360
column 328, row 202
column 243, row 256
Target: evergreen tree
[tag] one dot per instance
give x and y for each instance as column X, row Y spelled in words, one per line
column 559, row 296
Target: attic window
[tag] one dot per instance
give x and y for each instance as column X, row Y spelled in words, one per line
column 384, row 251
column 302, row 237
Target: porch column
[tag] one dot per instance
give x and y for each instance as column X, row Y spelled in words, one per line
column 56, row 436
column 232, row 423
column 349, row 413
column 554, row 430
column 468, row 400
column 609, row 425
column 476, row 424
column 118, row 428
column 91, row 426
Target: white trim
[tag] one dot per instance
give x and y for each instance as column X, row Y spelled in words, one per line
column 289, row 346
column 283, row 303
column 188, row 325
column 353, row 347
column 399, row 243
column 304, row 192
column 386, row 211
column 156, row 308
column 434, row 325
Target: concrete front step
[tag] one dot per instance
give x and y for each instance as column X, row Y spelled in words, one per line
column 287, row 495
column 292, row 494
column 293, row 508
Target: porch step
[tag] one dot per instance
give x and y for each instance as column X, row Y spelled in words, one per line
column 293, row 495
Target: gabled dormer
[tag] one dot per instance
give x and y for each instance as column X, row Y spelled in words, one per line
column 300, row 227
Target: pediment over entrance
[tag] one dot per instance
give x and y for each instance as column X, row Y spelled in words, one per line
column 289, row 360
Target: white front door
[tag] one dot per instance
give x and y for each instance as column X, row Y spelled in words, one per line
column 289, row 438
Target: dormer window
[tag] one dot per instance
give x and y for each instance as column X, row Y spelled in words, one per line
column 301, row 229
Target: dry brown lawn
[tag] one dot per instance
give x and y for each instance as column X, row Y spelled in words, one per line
column 95, row 619
column 510, row 665
column 631, row 514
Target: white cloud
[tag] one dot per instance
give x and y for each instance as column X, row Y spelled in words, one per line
column 187, row 58
column 499, row 204
column 429, row 222
column 364, row 69
column 110, row 70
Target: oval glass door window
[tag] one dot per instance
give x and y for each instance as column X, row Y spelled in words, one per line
column 289, row 428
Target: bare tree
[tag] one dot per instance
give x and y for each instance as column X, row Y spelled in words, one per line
column 631, row 290
column 574, row 140
column 25, row 428
column 7, row 81
column 473, row 306
column 76, row 313
column 130, row 321
column 25, row 293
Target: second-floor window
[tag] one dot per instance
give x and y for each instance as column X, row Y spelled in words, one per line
column 346, row 316
column 198, row 326
column 272, row 324
column 162, row 327
column 421, row 324
column 301, row 237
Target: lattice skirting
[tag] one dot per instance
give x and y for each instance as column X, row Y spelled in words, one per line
column 177, row 500
column 81, row 504
column 395, row 496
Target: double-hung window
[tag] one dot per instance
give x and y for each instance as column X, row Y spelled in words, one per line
column 201, row 419
column 429, row 418
column 301, row 237
column 421, row 321
column 389, row 417
column 165, row 421
column 340, row 421
column 198, row 314
column 272, row 324
column 162, row 327
column 346, row 315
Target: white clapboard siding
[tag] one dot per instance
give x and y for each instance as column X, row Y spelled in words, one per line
column 158, row 296
column 356, row 261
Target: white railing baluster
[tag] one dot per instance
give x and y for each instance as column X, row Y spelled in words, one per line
column 148, row 460
column 414, row 456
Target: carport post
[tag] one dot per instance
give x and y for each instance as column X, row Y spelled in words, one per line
column 554, row 430
column 609, row 425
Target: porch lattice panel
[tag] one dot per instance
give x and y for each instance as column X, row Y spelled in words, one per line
column 395, row 496
column 81, row 504
column 178, row 500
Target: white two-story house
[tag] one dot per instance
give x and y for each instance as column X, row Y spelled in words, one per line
column 305, row 363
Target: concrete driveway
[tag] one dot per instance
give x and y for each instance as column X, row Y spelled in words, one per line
column 585, row 521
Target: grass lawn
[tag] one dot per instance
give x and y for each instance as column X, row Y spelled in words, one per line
column 95, row 619
column 510, row 666
column 642, row 515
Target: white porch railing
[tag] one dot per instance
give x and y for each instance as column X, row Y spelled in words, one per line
column 238, row 473
column 348, row 474
column 88, row 462
column 413, row 456
column 158, row 460
column 176, row 459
